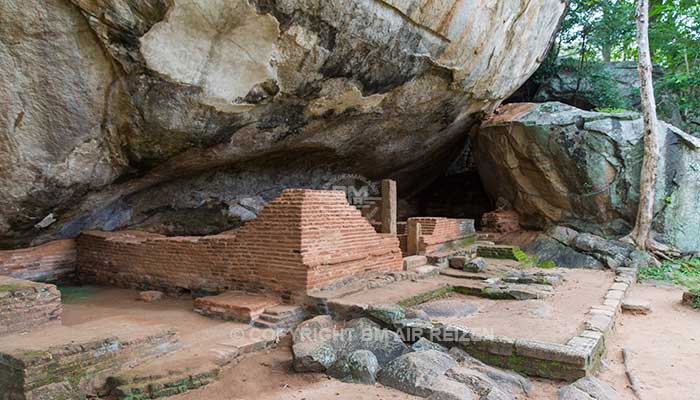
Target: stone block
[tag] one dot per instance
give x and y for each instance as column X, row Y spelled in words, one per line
column 150, row 296
column 551, row 352
column 412, row 262
column 636, row 306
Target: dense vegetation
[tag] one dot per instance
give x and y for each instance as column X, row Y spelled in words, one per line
column 599, row 31
column 683, row 272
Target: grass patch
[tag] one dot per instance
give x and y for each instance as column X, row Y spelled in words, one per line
column 528, row 261
column 683, row 272
column 611, row 110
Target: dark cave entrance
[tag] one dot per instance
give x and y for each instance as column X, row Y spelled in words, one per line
column 459, row 193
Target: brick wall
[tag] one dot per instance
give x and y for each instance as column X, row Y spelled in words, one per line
column 302, row 240
column 50, row 262
column 25, row 305
column 438, row 232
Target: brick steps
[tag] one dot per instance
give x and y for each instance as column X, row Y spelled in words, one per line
column 280, row 318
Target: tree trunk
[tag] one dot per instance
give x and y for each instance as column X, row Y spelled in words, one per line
column 641, row 234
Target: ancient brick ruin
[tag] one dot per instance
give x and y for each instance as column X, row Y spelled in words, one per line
column 429, row 234
column 50, row 262
column 303, row 240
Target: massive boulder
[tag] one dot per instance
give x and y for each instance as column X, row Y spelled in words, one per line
column 556, row 164
column 170, row 114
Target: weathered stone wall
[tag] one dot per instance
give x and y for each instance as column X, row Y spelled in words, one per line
column 50, row 262
column 27, row 306
column 303, row 240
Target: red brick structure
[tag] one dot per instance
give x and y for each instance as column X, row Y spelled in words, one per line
column 303, row 240
column 438, row 233
column 501, row 221
column 50, row 262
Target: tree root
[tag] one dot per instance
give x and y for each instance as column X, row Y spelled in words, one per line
column 634, row 383
column 659, row 250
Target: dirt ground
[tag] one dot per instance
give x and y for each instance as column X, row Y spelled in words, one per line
column 553, row 319
column 665, row 346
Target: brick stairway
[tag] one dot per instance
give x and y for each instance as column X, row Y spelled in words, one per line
column 280, row 318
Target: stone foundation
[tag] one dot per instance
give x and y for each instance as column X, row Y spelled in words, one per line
column 303, row 240
column 27, row 306
column 50, row 262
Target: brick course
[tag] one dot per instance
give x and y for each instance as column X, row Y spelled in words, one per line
column 50, row 262
column 303, row 240
column 438, row 232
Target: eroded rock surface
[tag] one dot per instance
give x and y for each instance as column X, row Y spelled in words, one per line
column 560, row 165
column 132, row 113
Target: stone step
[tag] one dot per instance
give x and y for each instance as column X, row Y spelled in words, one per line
column 280, row 318
column 283, row 310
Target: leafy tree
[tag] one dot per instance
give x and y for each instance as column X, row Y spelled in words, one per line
column 596, row 31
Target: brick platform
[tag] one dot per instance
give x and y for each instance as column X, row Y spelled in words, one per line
column 76, row 360
column 303, row 240
column 27, row 306
column 233, row 306
column 50, row 262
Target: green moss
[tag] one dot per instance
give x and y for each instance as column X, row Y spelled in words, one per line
column 10, row 288
column 526, row 365
column 427, row 296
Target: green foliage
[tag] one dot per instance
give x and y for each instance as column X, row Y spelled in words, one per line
column 684, row 272
column 610, row 110
column 594, row 31
column 528, row 261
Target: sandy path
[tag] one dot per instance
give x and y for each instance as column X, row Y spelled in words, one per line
column 666, row 346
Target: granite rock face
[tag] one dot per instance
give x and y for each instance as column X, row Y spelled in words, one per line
column 560, row 165
column 131, row 113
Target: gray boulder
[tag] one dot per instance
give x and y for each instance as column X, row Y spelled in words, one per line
column 386, row 345
column 360, row 366
column 548, row 249
column 387, row 314
column 558, row 165
column 417, row 373
column 476, row 264
column 318, row 345
column 424, row 344
column 312, row 345
column 588, row 388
